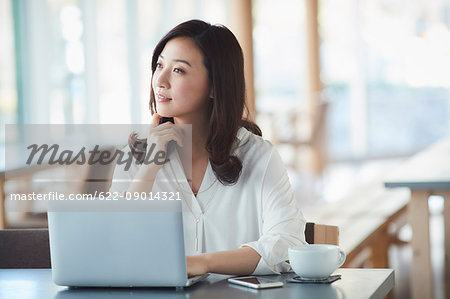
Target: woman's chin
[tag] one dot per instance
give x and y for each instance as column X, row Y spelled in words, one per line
column 164, row 112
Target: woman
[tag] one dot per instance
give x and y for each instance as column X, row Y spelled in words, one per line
column 239, row 212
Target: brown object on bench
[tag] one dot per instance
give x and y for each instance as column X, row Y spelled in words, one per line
column 321, row 234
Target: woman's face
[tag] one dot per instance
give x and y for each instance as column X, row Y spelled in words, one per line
column 180, row 82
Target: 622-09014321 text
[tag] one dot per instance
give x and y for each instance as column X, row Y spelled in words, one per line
column 161, row 195
column 53, row 195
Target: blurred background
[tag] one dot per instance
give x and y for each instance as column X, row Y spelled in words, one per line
column 384, row 70
column 345, row 89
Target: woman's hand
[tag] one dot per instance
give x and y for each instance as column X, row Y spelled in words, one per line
column 160, row 135
column 196, row 265
column 241, row 261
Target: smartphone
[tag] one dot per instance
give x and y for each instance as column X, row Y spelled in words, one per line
column 256, row 282
column 166, row 119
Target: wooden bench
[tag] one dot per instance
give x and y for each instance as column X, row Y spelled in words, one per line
column 368, row 222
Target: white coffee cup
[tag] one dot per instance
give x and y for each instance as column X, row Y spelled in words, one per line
column 315, row 261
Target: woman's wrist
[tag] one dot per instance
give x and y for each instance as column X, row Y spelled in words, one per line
column 242, row 261
column 148, row 171
column 197, row 265
column 206, row 261
column 144, row 178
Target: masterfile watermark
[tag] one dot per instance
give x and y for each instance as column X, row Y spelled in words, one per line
column 70, row 164
column 51, row 154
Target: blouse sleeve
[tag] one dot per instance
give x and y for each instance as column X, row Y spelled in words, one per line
column 283, row 224
column 122, row 176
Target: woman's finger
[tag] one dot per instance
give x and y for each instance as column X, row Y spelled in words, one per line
column 171, row 136
column 168, row 131
column 162, row 126
column 169, row 126
column 156, row 118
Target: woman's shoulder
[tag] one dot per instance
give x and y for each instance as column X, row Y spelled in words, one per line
column 252, row 146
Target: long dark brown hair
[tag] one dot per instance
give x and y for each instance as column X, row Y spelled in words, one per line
column 224, row 61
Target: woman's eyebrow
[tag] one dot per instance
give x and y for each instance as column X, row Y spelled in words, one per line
column 178, row 60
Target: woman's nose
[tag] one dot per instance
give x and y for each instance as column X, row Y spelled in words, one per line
column 162, row 79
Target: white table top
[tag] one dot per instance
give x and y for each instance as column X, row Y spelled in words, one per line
column 355, row 283
column 429, row 169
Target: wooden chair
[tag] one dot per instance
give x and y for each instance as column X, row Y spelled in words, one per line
column 316, row 141
column 321, row 234
column 24, row 249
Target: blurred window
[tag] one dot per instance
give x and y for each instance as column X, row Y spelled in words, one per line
column 387, row 66
column 279, row 55
column 87, row 61
column 280, row 73
column 8, row 91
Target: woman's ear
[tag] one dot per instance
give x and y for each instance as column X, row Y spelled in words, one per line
column 211, row 93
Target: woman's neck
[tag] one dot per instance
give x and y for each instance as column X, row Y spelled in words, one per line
column 200, row 133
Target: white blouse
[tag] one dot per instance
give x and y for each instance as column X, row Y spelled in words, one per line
column 258, row 211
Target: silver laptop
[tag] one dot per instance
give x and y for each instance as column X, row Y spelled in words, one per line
column 118, row 246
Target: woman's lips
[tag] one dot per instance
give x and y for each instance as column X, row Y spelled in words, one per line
column 160, row 98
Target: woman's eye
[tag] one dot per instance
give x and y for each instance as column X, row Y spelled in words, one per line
column 158, row 64
column 177, row 70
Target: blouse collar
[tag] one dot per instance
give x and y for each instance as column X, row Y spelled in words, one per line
column 241, row 133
